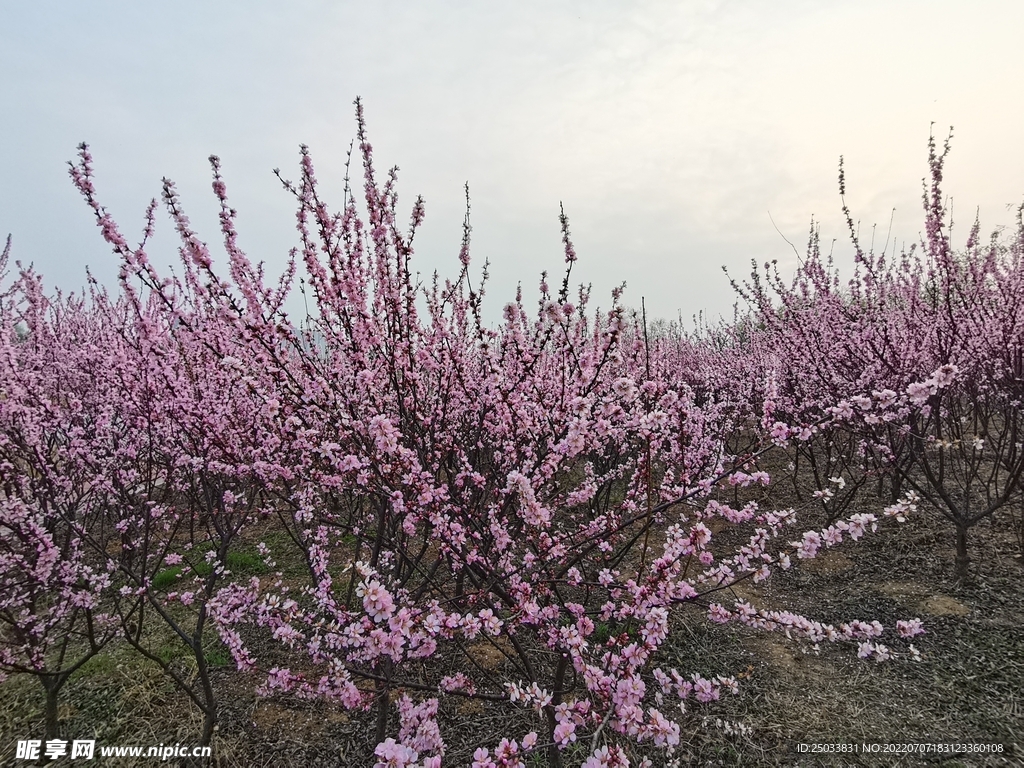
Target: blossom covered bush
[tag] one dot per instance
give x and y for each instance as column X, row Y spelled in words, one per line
column 548, row 492
column 55, row 410
column 936, row 329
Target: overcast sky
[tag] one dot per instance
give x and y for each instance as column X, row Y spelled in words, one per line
column 669, row 130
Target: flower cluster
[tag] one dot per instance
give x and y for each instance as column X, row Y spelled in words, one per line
column 509, row 514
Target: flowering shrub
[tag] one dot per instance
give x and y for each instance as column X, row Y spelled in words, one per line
column 936, row 329
column 508, row 514
column 53, row 414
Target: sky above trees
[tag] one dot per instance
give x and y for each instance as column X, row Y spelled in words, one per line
column 680, row 137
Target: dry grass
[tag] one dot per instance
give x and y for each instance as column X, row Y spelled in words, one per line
column 966, row 689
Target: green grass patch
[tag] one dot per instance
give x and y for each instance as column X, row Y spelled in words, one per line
column 102, row 664
column 245, row 562
column 164, row 579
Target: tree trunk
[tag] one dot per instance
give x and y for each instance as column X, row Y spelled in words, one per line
column 209, row 723
column 962, row 560
column 383, row 702
column 896, row 485
column 554, row 753
column 51, row 686
column 52, row 722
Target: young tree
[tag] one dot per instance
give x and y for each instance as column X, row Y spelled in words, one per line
column 54, row 419
column 853, row 350
column 540, row 491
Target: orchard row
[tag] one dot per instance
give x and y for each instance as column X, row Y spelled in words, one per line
column 417, row 486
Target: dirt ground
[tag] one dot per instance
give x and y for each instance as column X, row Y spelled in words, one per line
column 968, row 687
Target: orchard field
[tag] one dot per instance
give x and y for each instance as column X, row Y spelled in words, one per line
column 392, row 534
